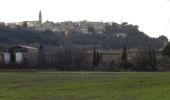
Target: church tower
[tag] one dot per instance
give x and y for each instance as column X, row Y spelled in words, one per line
column 40, row 17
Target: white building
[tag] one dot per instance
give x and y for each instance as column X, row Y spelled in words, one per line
column 123, row 35
column 19, row 51
column 35, row 24
column 11, row 25
column 84, row 27
column 99, row 27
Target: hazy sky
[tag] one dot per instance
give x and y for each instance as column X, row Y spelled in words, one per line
column 152, row 16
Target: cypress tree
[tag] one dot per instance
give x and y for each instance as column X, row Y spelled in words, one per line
column 12, row 55
column 124, row 55
column 94, row 57
column 154, row 61
column 41, row 56
column 97, row 58
column 150, row 58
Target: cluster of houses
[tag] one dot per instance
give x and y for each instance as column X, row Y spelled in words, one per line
column 79, row 26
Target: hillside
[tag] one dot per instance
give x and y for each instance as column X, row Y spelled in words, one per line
column 114, row 36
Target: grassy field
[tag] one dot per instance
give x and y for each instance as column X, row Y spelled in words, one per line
column 84, row 86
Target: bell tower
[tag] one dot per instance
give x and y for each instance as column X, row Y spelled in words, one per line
column 40, row 17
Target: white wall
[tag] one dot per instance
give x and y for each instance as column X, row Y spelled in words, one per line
column 6, row 57
column 19, row 57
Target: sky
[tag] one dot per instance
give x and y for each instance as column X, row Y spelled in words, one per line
column 152, row 16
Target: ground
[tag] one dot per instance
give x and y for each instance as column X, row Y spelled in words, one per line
column 84, row 86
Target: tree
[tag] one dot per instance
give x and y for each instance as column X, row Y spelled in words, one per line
column 25, row 25
column 154, row 60
column 98, row 58
column 146, row 59
column 91, row 29
column 12, row 55
column 166, row 50
column 108, row 29
column 115, row 27
column 48, row 32
column 124, row 55
column 149, row 61
column 41, row 56
column 94, row 57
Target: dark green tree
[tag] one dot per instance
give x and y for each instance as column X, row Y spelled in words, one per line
column 150, row 59
column 166, row 50
column 12, row 55
column 108, row 29
column 48, row 32
column 124, row 55
column 25, row 25
column 91, row 29
column 98, row 58
column 154, row 60
column 94, row 57
column 41, row 56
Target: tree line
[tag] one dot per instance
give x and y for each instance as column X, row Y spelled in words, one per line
column 76, row 59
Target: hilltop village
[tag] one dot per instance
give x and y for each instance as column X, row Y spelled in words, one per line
column 84, row 27
column 81, row 45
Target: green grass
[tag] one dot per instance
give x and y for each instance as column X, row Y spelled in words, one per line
column 84, row 86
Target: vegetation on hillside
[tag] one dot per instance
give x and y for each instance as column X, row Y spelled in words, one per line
column 73, row 49
column 107, row 40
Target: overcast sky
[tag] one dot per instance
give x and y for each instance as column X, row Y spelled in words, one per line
column 152, row 16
